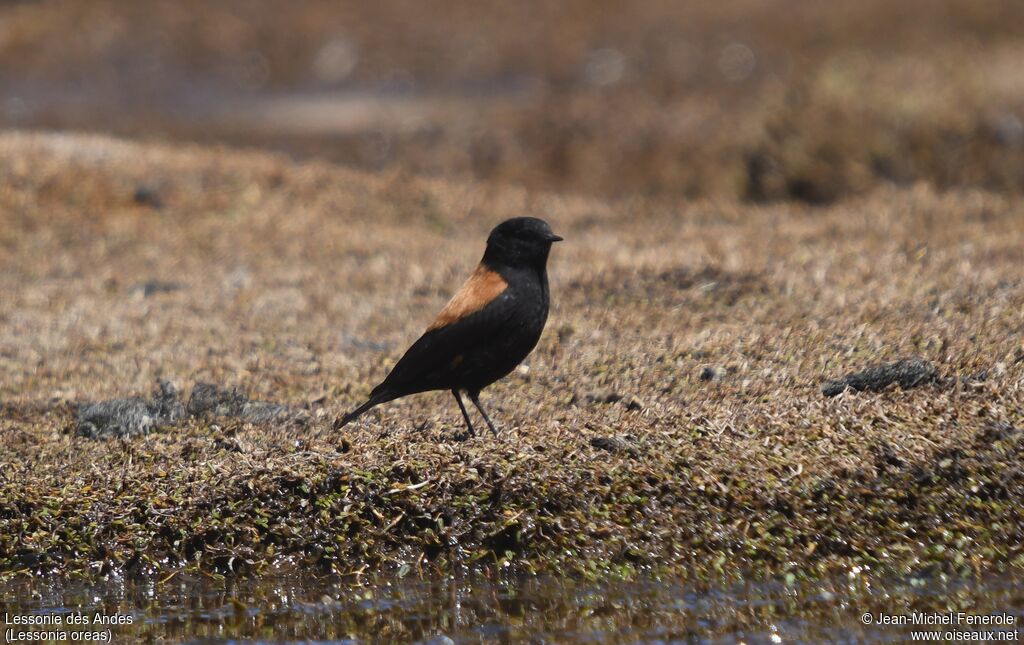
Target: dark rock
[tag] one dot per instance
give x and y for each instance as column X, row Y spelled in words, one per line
column 907, row 373
column 151, row 287
column 603, row 396
column 634, row 403
column 146, row 195
column 613, row 444
column 712, row 374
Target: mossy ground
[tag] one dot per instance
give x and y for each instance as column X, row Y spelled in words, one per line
column 301, row 283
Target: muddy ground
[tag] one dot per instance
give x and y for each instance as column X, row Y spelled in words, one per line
column 672, row 418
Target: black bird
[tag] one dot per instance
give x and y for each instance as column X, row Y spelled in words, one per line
column 491, row 324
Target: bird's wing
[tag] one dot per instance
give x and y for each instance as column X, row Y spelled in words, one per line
column 482, row 287
column 458, row 330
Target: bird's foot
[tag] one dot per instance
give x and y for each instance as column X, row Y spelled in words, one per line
column 465, row 435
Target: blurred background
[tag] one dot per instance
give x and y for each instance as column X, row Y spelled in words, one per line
column 761, row 100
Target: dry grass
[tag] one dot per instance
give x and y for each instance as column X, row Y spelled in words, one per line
column 301, row 283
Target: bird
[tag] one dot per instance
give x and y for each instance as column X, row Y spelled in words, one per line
column 487, row 328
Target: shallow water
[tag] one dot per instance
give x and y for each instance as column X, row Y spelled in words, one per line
column 290, row 608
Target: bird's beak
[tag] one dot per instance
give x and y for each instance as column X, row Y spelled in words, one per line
column 555, row 238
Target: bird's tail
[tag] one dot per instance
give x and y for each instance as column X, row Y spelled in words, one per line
column 374, row 400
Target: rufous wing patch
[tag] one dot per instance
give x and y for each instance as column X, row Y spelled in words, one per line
column 482, row 287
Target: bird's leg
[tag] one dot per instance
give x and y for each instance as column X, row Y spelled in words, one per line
column 465, row 415
column 475, row 398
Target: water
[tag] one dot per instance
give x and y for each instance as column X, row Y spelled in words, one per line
column 305, row 608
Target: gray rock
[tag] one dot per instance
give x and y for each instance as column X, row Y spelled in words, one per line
column 130, row 417
column 137, row 415
column 211, row 399
column 907, row 373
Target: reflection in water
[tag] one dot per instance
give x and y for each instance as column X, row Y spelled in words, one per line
column 293, row 607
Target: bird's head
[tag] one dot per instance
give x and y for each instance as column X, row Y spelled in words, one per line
column 520, row 241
